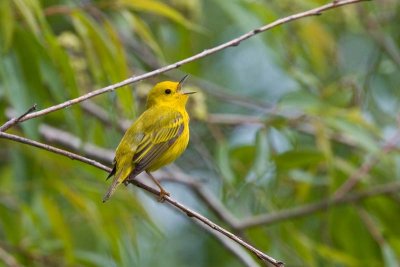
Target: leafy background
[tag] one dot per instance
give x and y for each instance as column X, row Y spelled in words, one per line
column 280, row 121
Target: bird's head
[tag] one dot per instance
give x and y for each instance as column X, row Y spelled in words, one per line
column 168, row 93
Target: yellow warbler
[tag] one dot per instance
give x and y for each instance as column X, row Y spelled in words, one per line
column 156, row 138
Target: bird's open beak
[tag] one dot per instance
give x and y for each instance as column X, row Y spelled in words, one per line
column 180, row 84
column 188, row 93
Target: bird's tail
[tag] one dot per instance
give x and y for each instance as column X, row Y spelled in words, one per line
column 119, row 177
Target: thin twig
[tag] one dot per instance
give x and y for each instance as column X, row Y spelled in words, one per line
column 221, row 93
column 14, row 121
column 268, row 219
column 386, row 42
column 370, row 162
column 294, row 121
column 99, row 113
column 53, row 149
column 212, row 202
column 170, row 200
column 72, row 142
column 371, row 226
column 207, row 52
column 193, row 214
column 8, row 259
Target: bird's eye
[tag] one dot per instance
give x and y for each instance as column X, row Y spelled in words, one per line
column 168, row 91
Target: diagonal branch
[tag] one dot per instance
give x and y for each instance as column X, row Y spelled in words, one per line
column 189, row 212
column 102, row 155
column 70, row 141
column 367, row 165
column 207, row 52
column 7, row 258
column 212, row 202
column 53, row 149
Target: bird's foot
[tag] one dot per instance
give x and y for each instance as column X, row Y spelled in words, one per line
column 162, row 195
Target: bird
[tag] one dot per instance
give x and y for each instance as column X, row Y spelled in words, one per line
column 158, row 137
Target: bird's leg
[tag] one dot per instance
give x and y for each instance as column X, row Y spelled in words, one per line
column 163, row 193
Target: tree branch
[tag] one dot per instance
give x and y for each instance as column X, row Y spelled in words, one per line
column 264, row 257
column 302, row 211
column 53, row 149
column 294, row 121
column 102, row 115
column 74, row 143
column 370, row 162
column 212, row 202
column 8, row 258
column 207, row 52
column 70, row 141
column 191, row 213
column 371, row 226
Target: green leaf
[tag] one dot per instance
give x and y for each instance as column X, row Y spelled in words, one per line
column 144, row 32
column 93, row 258
column 106, row 59
column 7, row 25
column 262, row 168
column 59, row 226
column 318, row 44
column 355, row 132
column 298, row 158
column 17, row 90
column 336, row 256
column 158, row 8
column 223, row 162
column 241, row 159
column 27, row 10
column 301, row 100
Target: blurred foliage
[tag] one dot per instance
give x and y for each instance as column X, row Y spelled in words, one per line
column 335, row 75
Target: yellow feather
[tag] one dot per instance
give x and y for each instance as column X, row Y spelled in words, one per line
column 156, row 138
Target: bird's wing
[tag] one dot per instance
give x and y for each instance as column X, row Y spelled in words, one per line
column 157, row 139
column 143, row 143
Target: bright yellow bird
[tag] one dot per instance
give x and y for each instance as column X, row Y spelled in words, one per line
column 156, row 138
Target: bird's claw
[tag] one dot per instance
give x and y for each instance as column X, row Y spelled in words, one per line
column 162, row 195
